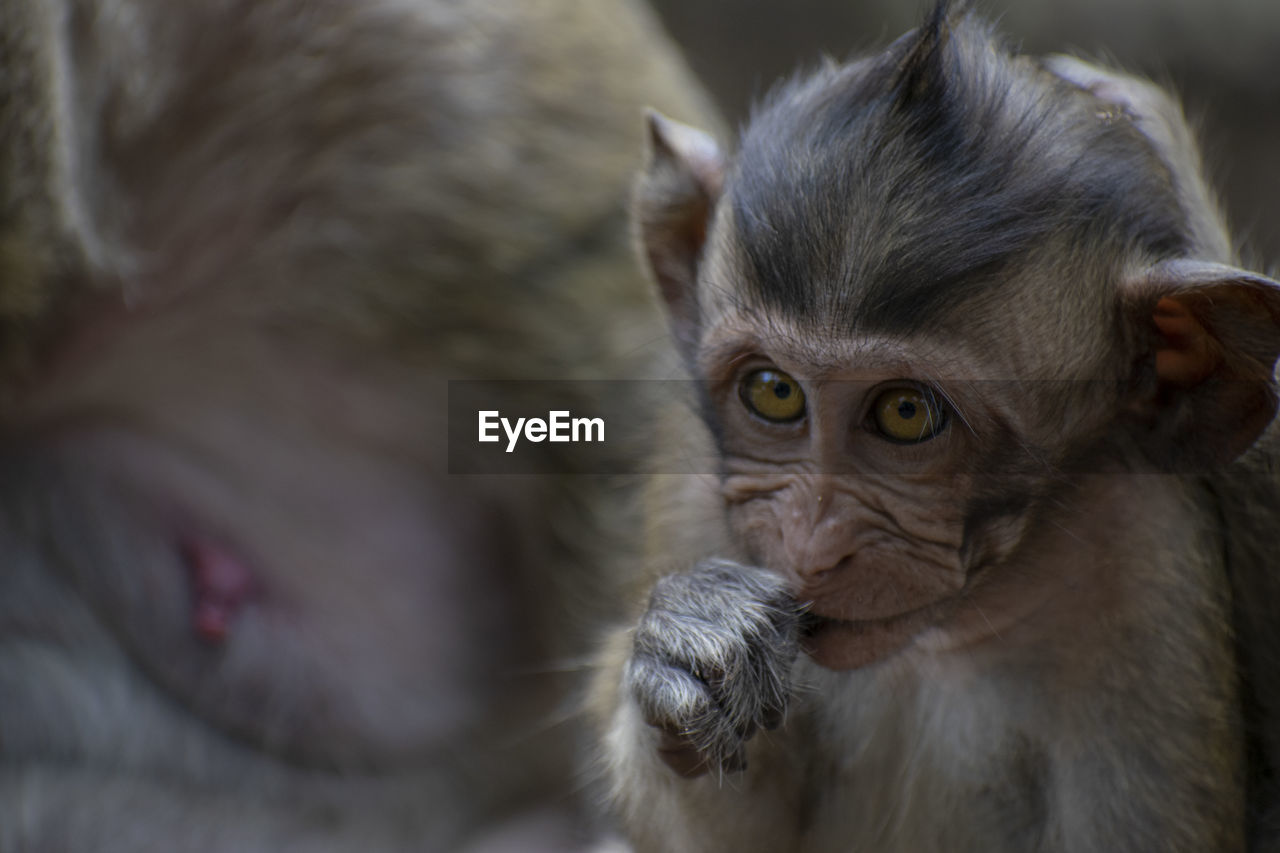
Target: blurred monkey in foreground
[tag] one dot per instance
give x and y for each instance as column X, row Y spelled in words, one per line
column 243, row 245
column 985, row 562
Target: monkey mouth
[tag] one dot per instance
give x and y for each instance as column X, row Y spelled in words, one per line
column 841, row 644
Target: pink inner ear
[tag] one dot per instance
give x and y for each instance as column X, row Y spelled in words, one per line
column 1190, row 353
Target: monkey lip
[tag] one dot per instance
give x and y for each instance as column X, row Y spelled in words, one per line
column 849, row 644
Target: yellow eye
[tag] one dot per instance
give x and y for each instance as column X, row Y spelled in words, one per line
column 773, row 395
column 908, row 414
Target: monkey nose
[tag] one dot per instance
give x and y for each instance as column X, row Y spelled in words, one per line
column 811, row 571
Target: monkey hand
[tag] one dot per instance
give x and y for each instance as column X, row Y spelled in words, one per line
column 712, row 662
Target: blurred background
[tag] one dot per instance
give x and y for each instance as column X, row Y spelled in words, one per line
column 1221, row 56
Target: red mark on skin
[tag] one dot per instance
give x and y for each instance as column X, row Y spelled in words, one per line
column 220, row 582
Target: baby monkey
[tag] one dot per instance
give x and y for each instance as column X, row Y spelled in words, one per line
column 984, row 562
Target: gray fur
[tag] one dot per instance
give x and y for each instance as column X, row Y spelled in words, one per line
column 878, row 207
column 950, row 202
column 713, row 656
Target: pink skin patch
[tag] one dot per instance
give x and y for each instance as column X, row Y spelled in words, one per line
column 220, row 583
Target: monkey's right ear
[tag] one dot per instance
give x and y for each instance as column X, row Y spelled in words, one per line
column 674, row 199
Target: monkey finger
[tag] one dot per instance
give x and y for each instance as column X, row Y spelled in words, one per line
column 725, row 589
column 669, row 697
column 711, row 652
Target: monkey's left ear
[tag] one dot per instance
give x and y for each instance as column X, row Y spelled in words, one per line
column 1212, row 333
column 673, row 202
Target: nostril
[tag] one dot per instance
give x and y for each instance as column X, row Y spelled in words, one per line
column 824, row 570
column 817, row 574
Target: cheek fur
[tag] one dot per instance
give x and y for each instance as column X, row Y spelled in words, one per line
column 759, row 526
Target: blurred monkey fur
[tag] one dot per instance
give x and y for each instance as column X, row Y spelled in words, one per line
column 987, row 560
column 243, row 246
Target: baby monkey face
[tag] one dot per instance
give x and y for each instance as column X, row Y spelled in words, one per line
column 860, row 471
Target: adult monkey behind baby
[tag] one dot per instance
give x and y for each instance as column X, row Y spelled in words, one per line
column 992, row 407
column 244, row 606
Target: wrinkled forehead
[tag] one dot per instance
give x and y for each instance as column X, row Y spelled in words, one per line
column 1009, row 322
column 814, row 344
